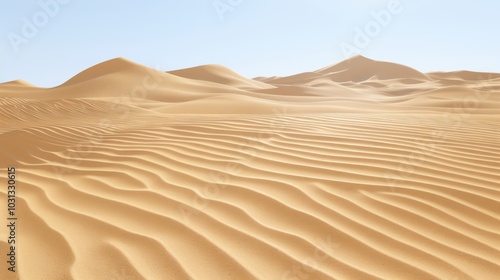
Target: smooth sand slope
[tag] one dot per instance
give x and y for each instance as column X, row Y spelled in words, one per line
column 360, row 170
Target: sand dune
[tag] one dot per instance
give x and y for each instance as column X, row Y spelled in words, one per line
column 465, row 75
column 355, row 69
column 16, row 83
column 360, row 68
column 221, row 75
column 360, row 170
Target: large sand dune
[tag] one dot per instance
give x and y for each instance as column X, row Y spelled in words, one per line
column 360, row 170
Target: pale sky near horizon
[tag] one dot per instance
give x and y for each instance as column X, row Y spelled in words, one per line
column 254, row 37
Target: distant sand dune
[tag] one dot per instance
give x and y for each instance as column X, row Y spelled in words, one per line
column 360, row 68
column 221, row 75
column 361, row 170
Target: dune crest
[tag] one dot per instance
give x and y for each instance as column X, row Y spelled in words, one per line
column 360, row 68
column 220, row 74
column 116, row 65
column 18, row 83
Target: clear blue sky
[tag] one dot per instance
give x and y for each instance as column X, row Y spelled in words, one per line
column 254, row 38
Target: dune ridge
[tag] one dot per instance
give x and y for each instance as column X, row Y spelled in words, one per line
column 360, row 170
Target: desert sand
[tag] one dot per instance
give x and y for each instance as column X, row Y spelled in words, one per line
column 360, row 170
